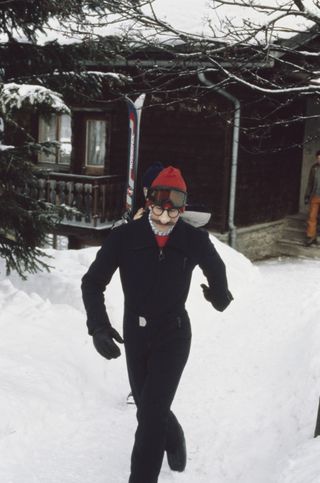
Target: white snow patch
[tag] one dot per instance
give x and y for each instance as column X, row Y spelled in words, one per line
column 247, row 400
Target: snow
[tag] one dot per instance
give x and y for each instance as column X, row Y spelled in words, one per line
column 247, row 400
column 14, row 96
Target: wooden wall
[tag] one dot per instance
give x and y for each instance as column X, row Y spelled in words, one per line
column 197, row 142
column 270, row 160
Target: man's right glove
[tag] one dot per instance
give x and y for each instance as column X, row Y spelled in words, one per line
column 104, row 344
column 220, row 301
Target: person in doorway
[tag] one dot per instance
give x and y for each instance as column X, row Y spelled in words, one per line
column 312, row 197
column 156, row 255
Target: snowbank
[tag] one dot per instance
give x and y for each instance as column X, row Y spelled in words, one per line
column 247, row 400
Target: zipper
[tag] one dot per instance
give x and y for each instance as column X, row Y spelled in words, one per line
column 161, row 255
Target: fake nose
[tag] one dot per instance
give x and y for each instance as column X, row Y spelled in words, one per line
column 164, row 217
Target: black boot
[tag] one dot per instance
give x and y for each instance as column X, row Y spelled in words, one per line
column 310, row 241
column 177, row 457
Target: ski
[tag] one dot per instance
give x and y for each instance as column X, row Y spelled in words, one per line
column 134, row 112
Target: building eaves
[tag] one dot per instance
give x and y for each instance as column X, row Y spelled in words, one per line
column 282, row 47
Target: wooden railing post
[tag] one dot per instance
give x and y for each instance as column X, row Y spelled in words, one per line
column 98, row 199
column 103, row 197
column 42, row 189
column 61, row 197
column 52, row 194
column 70, row 199
column 79, row 199
column 87, row 202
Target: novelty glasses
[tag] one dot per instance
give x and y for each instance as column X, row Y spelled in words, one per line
column 158, row 210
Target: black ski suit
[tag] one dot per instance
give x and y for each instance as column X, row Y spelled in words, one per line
column 156, row 325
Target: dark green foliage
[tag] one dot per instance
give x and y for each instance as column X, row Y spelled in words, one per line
column 64, row 69
column 30, row 16
column 24, row 221
column 24, row 59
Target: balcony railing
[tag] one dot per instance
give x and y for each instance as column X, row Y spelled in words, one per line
column 89, row 201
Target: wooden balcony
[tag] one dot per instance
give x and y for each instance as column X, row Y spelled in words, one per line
column 89, row 202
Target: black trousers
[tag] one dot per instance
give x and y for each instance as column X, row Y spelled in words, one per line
column 156, row 355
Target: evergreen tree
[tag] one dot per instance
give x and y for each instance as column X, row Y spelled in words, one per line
column 25, row 220
column 30, row 16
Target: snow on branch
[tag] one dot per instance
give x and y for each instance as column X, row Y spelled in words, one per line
column 18, row 96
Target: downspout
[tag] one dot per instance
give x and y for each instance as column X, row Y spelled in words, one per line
column 234, row 155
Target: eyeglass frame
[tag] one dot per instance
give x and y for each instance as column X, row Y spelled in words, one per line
column 158, row 207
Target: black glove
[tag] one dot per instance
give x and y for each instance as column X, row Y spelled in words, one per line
column 104, row 344
column 306, row 200
column 219, row 301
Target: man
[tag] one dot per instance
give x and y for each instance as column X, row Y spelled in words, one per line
column 156, row 255
column 312, row 196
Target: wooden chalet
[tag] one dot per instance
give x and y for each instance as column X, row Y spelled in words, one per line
column 245, row 174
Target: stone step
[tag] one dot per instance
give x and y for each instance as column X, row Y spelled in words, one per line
column 289, row 248
column 294, row 229
column 289, row 237
column 296, row 223
column 297, row 216
column 295, row 233
column 293, row 241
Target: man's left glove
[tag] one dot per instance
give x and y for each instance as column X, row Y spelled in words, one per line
column 219, row 301
column 104, row 343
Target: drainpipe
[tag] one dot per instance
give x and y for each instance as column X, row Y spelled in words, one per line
column 234, row 157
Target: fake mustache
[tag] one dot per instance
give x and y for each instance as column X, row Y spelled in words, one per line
column 158, row 223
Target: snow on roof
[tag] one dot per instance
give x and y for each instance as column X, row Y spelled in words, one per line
column 120, row 78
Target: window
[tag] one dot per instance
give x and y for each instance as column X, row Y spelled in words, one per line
column 96, row 142
column 56, row 127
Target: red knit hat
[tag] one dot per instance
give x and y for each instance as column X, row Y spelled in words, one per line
column 170, row 178
column 168, row 189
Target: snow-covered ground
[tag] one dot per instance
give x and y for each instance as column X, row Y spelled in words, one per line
column 247, row 400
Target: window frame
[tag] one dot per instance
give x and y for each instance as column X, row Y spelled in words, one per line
column 58, row 123
column 94, row 169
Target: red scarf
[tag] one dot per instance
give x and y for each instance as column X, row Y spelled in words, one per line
column 162, row 240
